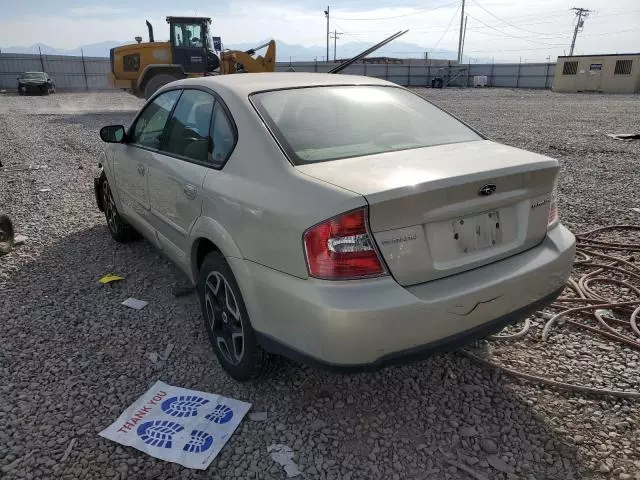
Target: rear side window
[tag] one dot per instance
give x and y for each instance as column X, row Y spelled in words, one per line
column 150, row 125
column 223, row 137
column 332, row 122
column 188, row 130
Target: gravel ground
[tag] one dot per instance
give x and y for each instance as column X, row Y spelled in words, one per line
column 73, row 358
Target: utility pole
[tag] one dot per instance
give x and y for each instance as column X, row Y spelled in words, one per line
column 335, row 37
column 460, row 37
column 464, row 36
column 580, row 13
column 41, row 62
column 326, row 14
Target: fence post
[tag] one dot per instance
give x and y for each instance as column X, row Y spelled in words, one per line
column 41, row 62
column 387, row 74
column 429, row 73
column 491, row 81
column 365, row 67
column 316, row 64
column 518, row 76
column 409, row 75
column 84, row 69
column 546, row 77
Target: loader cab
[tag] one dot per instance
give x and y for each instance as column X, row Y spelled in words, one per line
column 191, row 44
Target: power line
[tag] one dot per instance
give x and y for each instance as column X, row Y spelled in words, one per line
column 335, row 24
column 513, row 36
column 438, row 29
column 448, row 27
column 417, row 12
column 504, row 21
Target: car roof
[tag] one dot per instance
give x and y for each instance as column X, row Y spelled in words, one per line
column 245, row 84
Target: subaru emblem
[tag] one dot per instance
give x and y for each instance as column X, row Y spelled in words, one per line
column 486, row 190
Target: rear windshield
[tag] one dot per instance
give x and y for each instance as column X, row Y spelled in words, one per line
column 328, row 123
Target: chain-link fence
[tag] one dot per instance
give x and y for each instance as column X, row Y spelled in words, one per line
column 90, row 73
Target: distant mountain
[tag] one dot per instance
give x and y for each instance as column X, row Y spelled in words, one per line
column 284, row 51
column 91, row 50
column 299, row 53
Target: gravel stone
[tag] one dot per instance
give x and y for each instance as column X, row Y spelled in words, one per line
column 489, row 445
column 73, row 358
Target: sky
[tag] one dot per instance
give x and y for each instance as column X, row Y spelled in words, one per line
column 507, row 30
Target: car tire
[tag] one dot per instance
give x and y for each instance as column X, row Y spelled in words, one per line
column 156, row 82
column 120, row 230
column 227, row 322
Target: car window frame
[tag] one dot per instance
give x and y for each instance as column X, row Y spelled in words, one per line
column 287, row 150
column 182, row 88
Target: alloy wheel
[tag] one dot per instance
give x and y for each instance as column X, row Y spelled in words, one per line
column 224, row 317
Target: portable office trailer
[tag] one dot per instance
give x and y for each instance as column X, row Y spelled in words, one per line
column 611, row 73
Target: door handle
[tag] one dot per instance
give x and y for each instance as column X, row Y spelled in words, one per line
column 190, row 191
column 141, row 169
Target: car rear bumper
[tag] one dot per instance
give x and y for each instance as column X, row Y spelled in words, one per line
column 367, row 324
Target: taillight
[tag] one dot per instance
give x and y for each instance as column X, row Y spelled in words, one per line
column 342, row 248
column 553, row 205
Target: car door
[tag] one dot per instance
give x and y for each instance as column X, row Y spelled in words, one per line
column 176, row 176
column 131, row 160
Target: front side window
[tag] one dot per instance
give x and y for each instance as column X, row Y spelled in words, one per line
column 150, row 125
column 332, row 122
column 188, row 131
column 187, row 35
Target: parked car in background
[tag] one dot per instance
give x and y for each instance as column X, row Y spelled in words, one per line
column 36, row 82
column 343, row 221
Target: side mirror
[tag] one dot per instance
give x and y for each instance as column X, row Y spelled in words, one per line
column 112, row 133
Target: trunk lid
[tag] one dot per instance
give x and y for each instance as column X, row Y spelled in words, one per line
column 428, row 215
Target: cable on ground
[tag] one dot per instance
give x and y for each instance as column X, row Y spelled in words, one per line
column 606, row 268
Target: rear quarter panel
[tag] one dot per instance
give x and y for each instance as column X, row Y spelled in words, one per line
column 262, row 201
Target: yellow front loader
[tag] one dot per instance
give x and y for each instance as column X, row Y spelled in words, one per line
column 142, row 68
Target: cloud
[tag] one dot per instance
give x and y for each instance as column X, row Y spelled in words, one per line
column 98, row 11
column 511, row 29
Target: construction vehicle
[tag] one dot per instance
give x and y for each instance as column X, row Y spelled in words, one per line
column 142, row 68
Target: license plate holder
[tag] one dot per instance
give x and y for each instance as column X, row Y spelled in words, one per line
column 474, row 233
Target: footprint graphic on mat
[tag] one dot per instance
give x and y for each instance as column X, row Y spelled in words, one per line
column 183, row 406
column 158, row 433
column 199, row 442
column 220, row 414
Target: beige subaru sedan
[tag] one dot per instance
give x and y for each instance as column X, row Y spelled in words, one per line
column 338, row 220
